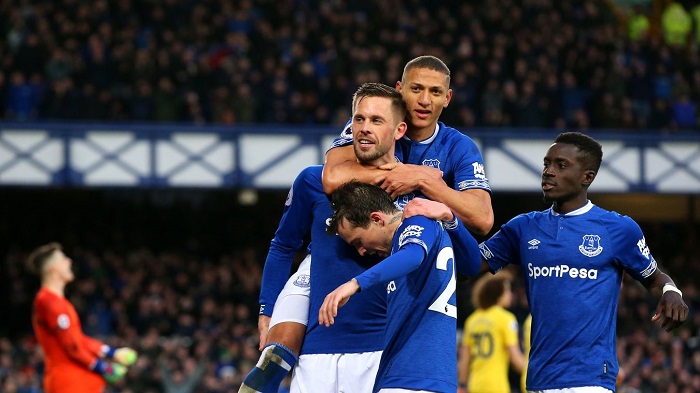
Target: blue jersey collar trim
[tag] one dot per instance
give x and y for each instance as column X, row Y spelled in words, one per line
column 430, row 139
column 581, row 210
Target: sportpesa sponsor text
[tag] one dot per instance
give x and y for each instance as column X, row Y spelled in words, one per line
column 560, row 271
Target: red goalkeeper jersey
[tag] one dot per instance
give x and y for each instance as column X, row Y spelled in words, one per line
column 68, row 353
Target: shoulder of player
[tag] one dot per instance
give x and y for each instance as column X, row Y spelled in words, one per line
column 620, row 227
column 504, row 313
column 611, row 219
column 525, row 218
column 422, row 221
column 48, row 301
column 311, row 175
column 454, row 136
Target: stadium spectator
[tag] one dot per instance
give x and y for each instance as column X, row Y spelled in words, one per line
column 564, row 51
column 676, row 23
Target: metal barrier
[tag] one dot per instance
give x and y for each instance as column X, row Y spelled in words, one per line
column 270, row 156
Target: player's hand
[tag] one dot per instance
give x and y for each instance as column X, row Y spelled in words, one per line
column 125, row 356
column 114, row 373
column 431, row 209
column 111, row 372
column 405, row 178
column 334, row 300
column 672, row 311
column 263, row 329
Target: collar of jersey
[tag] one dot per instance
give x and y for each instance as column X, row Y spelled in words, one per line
column 429, row 140
column 581, row 210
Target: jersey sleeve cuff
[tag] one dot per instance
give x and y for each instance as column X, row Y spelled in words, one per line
column 266, row 309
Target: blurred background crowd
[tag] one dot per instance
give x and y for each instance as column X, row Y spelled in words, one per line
column 521, row 63
column 177, row 278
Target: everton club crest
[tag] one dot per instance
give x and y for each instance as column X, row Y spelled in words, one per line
column 303, row 281
column 590, row 246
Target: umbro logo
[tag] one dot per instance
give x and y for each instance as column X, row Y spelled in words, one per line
column 533, row 244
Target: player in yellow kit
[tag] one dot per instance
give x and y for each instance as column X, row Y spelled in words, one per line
column 527, row 328
column 490, row 340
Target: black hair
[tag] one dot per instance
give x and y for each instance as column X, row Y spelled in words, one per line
column 590, row 150
column 355, row 201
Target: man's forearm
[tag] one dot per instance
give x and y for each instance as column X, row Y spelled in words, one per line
column 473, row 207
column 338, row 174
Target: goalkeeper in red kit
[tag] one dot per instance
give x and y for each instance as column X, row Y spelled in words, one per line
column 74, row 362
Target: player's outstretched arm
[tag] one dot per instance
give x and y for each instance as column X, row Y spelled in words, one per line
column 125, row 356
column 341, row 166
column 472, row 206
column 467, row 256
column 263, row 329
column 400, row 179
column 336, row 299
column 671, row 310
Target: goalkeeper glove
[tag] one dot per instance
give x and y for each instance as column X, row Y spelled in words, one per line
column 125, row 356
column 111, row 372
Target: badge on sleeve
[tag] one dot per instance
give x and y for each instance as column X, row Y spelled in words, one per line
column 63, row 321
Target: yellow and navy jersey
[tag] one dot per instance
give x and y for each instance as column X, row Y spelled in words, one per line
column 488, row 334
column 527, row 328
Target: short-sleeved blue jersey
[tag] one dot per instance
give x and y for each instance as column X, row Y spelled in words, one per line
column 420, row 351
column 454, row 153
column 360, row 327
column 572, row 266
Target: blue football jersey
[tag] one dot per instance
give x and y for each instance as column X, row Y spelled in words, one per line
column 360, row 328
column 572, row 266
column 420, row 351
column 448, row 150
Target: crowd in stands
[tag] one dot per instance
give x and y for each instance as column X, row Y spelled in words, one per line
column 189, row 306
column 192, row 315
column 192, row 320
column 519, row 63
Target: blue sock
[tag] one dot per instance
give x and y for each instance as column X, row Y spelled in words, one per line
column 275, row 362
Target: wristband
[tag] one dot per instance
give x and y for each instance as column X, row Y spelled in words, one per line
column 452, row 224
column 670, row 287
column 107, row 351
column 101, row 367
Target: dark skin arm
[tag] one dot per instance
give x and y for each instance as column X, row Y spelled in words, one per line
column 473, row 207
column 671, row 310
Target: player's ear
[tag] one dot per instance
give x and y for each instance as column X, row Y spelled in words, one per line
column 588, row 177
column 400, row 130
column 449, row 98
column 376, row 218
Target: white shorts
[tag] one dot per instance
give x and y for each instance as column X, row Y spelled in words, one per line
column 399, row 390
column 335, row 372
column 582, row 389
column 292, row 304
